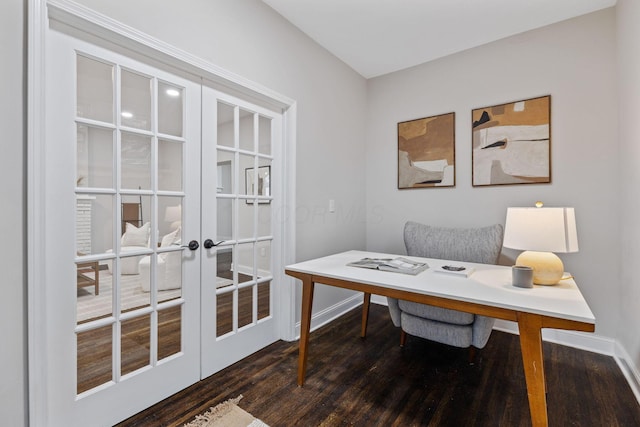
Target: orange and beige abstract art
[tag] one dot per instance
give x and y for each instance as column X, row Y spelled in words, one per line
column 512, row 143
column 426, row 152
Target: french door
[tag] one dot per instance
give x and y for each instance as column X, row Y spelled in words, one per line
column 239, row 155
column 159, row 232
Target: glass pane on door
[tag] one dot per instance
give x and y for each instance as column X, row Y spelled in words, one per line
column 170, row 109
column 224, row 266
column 246, row 126
column 224, row 290
column 264, row 300
column 135, row 287
column 264, row 135
column 95, row 89
column 136, row 100
column 245, row 306
column 135, row 161
column 225, row 173
column 168, row 263
column 94, row 357
column 246, row 214
column 170, row 214
column 224, row 312
column 226, row 128
column 94, row 164
column 264, row 220
column 170, row 158
column 95, row 223
column 90, row 305
column 244, row 262
column 169, row 331
column 224, row 219
column 135, row 344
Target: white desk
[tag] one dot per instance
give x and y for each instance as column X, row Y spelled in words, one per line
column 488, row 291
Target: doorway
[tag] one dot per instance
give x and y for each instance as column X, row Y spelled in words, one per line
column 136, row 309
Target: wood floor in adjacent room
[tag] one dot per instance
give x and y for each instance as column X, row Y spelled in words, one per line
column 374, row 382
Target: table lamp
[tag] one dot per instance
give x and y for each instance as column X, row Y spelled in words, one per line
column 173, row 215
column 540, row 232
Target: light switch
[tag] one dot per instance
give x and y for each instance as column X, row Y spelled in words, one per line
column 332, row 206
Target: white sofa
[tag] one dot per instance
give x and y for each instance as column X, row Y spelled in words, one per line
column 169, row 269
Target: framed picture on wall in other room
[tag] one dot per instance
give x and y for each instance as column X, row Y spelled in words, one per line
column 258, row 184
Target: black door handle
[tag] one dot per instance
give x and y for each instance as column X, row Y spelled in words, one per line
column 193, row 245
column 208, row 244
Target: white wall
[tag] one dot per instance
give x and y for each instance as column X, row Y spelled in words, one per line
column 573, row 61
column 628, row 15
column 13, row 306
column 250, row 39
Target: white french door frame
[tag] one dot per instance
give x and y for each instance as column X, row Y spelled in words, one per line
column 41, row 15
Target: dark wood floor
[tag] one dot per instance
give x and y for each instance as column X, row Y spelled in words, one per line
column 374, row 382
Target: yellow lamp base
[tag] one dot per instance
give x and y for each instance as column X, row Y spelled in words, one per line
column 547, row 267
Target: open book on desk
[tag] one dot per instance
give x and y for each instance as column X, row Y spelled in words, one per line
column 397, row 265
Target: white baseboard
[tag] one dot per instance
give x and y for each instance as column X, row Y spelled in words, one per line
column 628, row 368
column 377, row 299
column 248, row 270
column 331, row 313
column 579, row 340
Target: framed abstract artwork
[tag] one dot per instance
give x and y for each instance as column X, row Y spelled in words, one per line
column 260, row 186
column 426, row 152
column 512, row 143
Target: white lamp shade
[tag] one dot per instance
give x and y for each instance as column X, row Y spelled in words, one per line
column 541, row 229
column 173, row 213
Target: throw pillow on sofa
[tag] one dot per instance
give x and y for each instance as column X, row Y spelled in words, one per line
column 171, row 238
column 136, row 236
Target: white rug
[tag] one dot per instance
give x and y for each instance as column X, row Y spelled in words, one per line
column 90, row 306
column 226, row 414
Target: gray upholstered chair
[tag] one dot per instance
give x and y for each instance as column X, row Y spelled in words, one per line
column 455, row 328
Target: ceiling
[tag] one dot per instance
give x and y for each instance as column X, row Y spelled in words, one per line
column 376, row 37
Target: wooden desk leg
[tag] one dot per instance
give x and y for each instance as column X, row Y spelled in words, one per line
column 305, row 327
column 365, row 313
column 530, row 327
